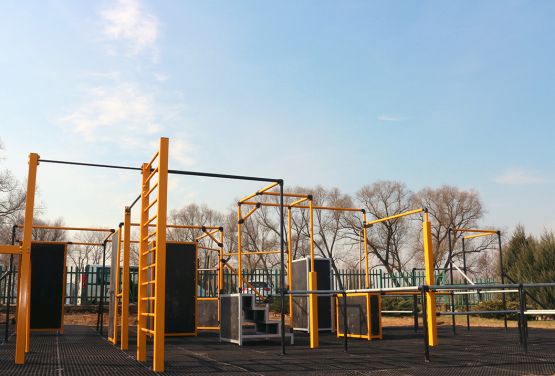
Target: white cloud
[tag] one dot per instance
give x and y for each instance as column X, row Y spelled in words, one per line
column 113, row 108
column 517, row 176
column 129, row 22
column 131, row 116
column 389, row 117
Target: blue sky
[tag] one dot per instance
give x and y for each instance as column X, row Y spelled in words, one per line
column 317, row 92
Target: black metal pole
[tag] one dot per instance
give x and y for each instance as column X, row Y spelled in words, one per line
column 466, row 283
column 425, row 324
column 345, row 328
column 282, row 266
column 502, row 271
column 414, row 302
column 522, row 317
column 453, row 321
column 9, row 292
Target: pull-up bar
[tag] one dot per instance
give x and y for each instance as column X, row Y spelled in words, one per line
column 404, row 214
column 175, row 172
column 64, row 228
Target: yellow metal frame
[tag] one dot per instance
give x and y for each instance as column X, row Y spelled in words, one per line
column 153, row 291
column 428, row 266
column 367, row 295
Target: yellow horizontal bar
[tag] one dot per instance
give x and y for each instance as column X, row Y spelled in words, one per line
column 209, row 249
column 149, row 298
column 207, row 234
column 301, row 200
column 85, row 243
column 10, row 249
column 207, row 299
column 181, row 226
column 151, row 266
column 367, row 224
column 148, row 283
column 473, row 230
column 479, row 235
column 334, row 208
column 208, row 327
column 148, row 314
column 260, row 191
column 299, row 195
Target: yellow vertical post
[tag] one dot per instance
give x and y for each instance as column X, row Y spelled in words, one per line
column 143, row 261
column 290, row 264
column 24, row 296
column 239, row 251
column 220, row 270
column 365, row 240
column 160, row 274
column 115, row 270
column 429, row 267
column 312, row 286
column 125, row 280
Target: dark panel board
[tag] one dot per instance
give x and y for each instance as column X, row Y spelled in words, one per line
column 229, row 319
column 375, row 314
column 207, row 311
column 357, row 321
column 47, row 285
column 300, row 282
column 181, row 287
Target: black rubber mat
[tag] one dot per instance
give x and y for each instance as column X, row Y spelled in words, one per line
column 81, row 351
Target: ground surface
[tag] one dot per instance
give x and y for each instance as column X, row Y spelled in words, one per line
column 483, row 351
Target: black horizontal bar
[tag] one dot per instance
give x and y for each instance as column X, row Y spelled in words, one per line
column 90, row 164
column 175, row 172
column 134, row 202
column 224, row 176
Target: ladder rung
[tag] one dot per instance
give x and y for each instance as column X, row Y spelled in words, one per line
column 150, row 234
column 150, row 205
column 119, row 295
column 148, row 283
column 148, row 314
column 152, row 189
column 151, row 175
column 149, row 298
column 152, row 219
column 147, row 331
column 151, row 250
column 151, row 266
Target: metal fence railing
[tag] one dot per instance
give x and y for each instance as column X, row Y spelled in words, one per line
column 84, row 285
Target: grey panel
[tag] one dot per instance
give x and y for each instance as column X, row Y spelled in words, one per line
column 357, row 321
column 207, row 313
column 230, row 320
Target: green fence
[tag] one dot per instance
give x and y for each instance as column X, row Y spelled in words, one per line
column 84, row 285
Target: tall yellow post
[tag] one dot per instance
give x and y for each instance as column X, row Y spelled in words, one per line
column 429, row 267
column 312, row 286
column 143, row 261
column 24, row 296
column 220, row 270
column 239, row 250
column 290, row 264
column 115, row 270
column 365, row 240
column 125, row 280
column 160, row 274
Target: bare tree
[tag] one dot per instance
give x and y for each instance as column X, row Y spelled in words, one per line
column 451, row 207
column 387, row 241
